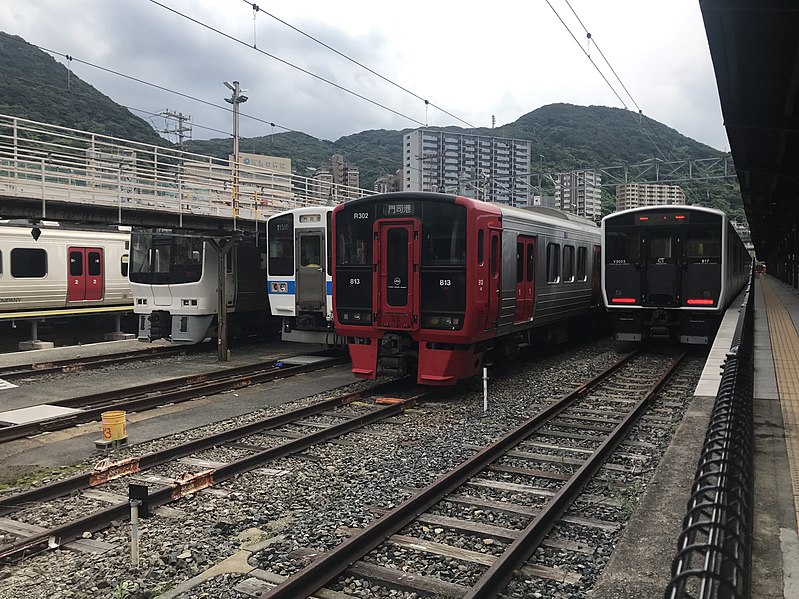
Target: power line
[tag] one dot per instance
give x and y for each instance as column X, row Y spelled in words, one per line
column 257, row 9
column 166, row 89
column 613, row 89
column 612, row 70
column 287, row 63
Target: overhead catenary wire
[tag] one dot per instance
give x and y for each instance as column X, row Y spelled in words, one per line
column 612, row 70
column 257, row 9
column 167, row 89
column 287, row 63
column 598, row 70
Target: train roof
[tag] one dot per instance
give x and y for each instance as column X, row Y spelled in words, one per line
column 551, row 215
column 304, row 210
column 676, row 208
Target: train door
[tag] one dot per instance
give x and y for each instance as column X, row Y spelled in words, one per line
column 85, row 268
column 525, row 278
column 662, row 266
column 396, row 272
column 494, row 278
column 310, row 274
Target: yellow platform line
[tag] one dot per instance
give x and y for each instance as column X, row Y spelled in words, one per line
column 785, row 348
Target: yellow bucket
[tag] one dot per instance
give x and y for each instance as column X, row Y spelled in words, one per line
column 113, row 425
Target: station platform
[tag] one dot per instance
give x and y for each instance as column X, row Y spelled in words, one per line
column 641, row 564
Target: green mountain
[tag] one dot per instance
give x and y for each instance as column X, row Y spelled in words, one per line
column 34, row 86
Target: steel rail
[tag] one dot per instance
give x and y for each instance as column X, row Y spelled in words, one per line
column 496, row 578
column 150, row 395
column 121, row 511
column 89, row 362
column 331, row 563
column 135, row 465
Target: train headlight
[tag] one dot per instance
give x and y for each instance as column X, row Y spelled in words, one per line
column 441, row 322
column 706, row 293
column 284, row 287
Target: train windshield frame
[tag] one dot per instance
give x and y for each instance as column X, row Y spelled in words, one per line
column 162, row 259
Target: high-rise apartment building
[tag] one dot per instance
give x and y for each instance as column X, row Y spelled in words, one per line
column 633, row 195
column 580, row 193
column 339, row 180
column 494, row 169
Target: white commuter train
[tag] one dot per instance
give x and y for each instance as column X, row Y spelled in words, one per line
column 174, row 278
column 299, row 275
column 50, row 270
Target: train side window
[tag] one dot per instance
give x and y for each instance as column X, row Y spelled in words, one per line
column 28, row 263
column 480, row 249
column 519, row 262
column 75, row 264
column 568, row 263
column 123, row 265
column 530, row 262
column 582, row 253
column 94, row 264
column 494, row 256
column 553, row 262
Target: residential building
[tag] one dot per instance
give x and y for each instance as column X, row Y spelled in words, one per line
column 389, row 183
column 580, row 193
column 494, row 169
column 633, row 195
column 339, row 180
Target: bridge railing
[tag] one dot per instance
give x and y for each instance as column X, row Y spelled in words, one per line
column 52, row 163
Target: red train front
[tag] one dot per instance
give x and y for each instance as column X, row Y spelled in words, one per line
column 401, row 288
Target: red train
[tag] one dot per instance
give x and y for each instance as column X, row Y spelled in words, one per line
column 431, row 282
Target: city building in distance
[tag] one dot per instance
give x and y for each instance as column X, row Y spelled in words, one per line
column 580, row 193
column 493, row 169
column 633, row 195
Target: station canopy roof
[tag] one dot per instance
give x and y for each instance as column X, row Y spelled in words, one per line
column 754, row 45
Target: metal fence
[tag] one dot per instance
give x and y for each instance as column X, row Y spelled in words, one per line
column 714, row 551
column 53, row 163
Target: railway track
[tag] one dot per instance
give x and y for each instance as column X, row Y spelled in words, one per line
column 144, row 397
column 562, row 448
column 91, row 362
column 257, row 444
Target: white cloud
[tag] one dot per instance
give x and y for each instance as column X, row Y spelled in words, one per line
column 504, row 58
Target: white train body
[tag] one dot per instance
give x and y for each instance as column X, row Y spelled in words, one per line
column 300, row 285
column 63, row 272
column 174, row 279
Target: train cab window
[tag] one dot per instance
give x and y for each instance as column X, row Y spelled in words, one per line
column 568, row 263
column 444, row 235
column 622, row 247
column 530, row 262
column 661, row 247
column 94, row 264
column 553, row 262
column 123, row 265
column 582, row 254
column 519, row 262
column 280, row 231
column 702, row 246
column 75, row 264
column 480, row 249
column 28, row 263
column 354, row 237
column 310, row 251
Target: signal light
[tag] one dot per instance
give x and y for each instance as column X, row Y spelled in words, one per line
column 679, row 216
column 622, row 300
column 697, row 301
column 643, row 218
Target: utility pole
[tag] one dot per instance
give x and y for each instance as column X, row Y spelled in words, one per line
column 236, row 98
column 181, row 127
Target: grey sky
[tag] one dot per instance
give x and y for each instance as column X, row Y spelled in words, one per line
column 475, row 60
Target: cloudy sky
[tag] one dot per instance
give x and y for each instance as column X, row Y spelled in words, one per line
column 471, row 59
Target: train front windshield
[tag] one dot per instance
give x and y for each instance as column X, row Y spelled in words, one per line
column 160, row 259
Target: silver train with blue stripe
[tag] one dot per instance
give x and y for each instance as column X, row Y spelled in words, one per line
column 299, row 282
